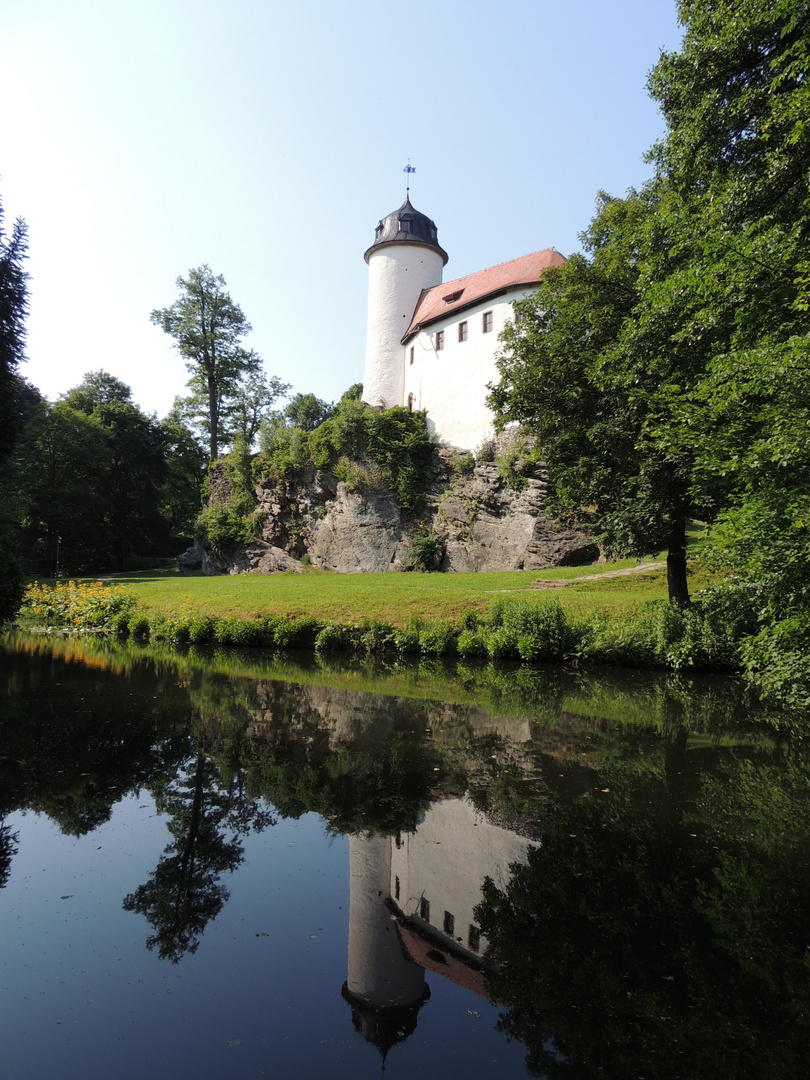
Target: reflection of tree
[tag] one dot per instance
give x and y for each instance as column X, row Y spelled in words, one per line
column 362, row 786
column 8, row 849
column 184, row 891
column 658, row 931
column 74, row 761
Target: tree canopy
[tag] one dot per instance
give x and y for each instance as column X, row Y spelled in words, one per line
column 208, row 328
column 665, row 371
column 102, row 482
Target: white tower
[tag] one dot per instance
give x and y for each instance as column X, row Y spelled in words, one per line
column 404, row 259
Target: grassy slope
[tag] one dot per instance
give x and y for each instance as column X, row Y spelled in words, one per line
column 394, row 599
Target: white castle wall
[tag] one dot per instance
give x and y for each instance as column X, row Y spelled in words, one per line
column 397, row 273
column 451, row 383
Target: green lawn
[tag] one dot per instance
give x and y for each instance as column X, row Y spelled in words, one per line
column 394, row 599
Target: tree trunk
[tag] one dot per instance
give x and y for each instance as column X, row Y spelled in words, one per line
column 676, row 565
column 213, row 419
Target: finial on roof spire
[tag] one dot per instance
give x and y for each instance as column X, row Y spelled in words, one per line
column 408, row 170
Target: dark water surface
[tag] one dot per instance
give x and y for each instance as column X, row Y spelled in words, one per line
column 220, row 864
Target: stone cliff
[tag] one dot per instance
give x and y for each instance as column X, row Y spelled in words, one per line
column 478, row 521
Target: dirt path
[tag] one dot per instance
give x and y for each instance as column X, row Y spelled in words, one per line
column 559, row 584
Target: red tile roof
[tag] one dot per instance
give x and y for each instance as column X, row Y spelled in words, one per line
column 455, row 295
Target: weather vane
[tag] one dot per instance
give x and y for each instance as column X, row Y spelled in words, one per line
column 408, row 170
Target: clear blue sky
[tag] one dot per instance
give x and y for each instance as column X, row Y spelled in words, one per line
column 139, row 138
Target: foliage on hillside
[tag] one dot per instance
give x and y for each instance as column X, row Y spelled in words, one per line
column 362, row 445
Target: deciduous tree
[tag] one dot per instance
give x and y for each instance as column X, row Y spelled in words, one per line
column 208, row 328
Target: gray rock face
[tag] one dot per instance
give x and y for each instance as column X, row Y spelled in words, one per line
column 483, row 524
column 257, row 558
column 489, row 526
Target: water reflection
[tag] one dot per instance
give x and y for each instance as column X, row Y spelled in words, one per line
column 185, row 891
column 624, row 866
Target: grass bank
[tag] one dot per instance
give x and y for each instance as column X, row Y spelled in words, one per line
column 561, row 615
column 397, row 600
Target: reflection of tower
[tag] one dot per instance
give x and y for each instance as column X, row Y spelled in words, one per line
column 384, row 987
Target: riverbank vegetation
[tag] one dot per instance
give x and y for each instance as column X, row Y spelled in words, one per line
column 624, row 620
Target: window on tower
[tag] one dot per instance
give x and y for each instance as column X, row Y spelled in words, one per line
column 462, row 331
column 439, row 340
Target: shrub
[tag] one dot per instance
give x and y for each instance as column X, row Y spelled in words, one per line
column 425, row 552
column 202, row 630
column 404, row 641
column 777, row 661
column 530, row 631
column 224, row 527
column 485, row 451
column 472, row 643
column 94, row 605
column 438, row 639
column 464, row 464
column 331, row 638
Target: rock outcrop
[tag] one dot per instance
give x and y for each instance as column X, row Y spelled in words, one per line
column 480, row 522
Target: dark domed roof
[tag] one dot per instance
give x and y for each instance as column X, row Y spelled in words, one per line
column 407, row 226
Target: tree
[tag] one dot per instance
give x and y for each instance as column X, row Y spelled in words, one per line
column 207, row 328
column 13, row 310
column 306, row 411
column 93, row 468
column 735, row 162
column 181, row 492
column 254, row 397
column 593, row 403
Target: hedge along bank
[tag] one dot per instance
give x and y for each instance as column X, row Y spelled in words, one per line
column 656, row 634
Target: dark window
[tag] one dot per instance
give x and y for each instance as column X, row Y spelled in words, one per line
column 462, row 331
column 474, row 938
column 411, row 353
column 449, row 924
column 487, row 321
column 399, row 839
column 396, row 888
column 410, row 402
column 439, row 340
column 424, row 909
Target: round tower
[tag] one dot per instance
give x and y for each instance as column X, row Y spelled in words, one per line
column 404, row 259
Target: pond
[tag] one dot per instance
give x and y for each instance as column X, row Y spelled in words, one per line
column 221, row 863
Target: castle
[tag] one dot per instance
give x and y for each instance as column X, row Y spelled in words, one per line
column 430, row 344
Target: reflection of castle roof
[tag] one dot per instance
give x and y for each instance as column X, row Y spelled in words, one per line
column 384, row 1027
column 435, row 956
column 452, row 296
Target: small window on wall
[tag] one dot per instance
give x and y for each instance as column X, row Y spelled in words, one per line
column 410, row 402
column 487, row 322
column 474, row 938
column 424, row 909
column 439, row 340
column 449, row 923
column 462, row 331
column 411, row 357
